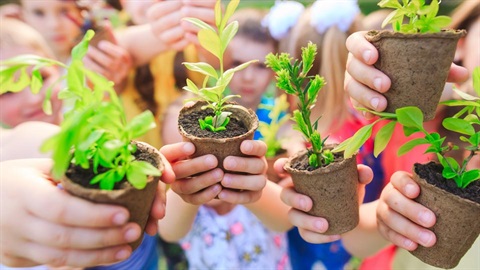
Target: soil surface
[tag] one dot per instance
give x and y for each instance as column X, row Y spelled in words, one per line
column 432, row 172
column 190, row 124
column 83, row 176
column 301, row 163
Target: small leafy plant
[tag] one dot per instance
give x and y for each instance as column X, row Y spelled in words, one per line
column 95, row 133
column 278, row 118
column 421, row 18
column 411, row 118
column 216, row 42
column 294, row 80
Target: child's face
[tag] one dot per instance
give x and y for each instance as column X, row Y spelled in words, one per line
column 253, row 81
column 17, row 108
column 51, row 19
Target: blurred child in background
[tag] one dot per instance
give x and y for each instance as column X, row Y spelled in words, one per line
column 217, row 233
column 328, row 24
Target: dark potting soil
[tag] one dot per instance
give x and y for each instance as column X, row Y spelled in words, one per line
column 301, row 163
column 432, row 172
column 83, row 176
column 190, row 124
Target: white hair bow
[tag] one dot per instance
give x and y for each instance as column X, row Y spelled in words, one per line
column 281, row 17
column 327, row 13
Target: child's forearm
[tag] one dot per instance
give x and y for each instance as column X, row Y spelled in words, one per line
column 148, row 47
column 366, row 232
column 179, row 218
column 271, row 210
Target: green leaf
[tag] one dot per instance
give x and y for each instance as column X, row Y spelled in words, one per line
column 301, row 125
column 408, row 146
column 141, row 124
column 80, row 50
column 383, row 137
column 36, row 82
column 469, row 176
column 410, row 130
column 313, row 160
column 231, row 7
column 228, row 33
column 448, row 173
column 47, row 104
column 138, row 171
column 210, row 42
column 108, row 181
column 458, row 125
column 390, row 18
column 357, row 140
column 90, row 140
column 476, row 80
column 410, row 117
column 218, row 15
column 199, row 23
column 202, row 68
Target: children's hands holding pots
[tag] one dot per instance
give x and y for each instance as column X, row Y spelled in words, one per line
column 400, row 219
column 364, row 82
column 42, row 224
column 199, row 180
column 311, row 228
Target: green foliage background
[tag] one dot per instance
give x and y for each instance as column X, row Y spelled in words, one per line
column 366, row 6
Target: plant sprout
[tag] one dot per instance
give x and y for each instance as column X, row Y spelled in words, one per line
column 95, row 133
column 216, row 42
column 421, row 18
column 294, row 80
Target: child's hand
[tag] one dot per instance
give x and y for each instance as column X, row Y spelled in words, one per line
column 158, row 206
column 364, row 82
column 196, row 182
column 111, row 61
column 245, row 188
column 166, row 20
column 311, row 228
column 400, row 219
column 202, row 10
column 42, row 224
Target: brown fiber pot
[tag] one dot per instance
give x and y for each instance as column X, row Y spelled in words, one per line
column 457, row 225
column 271, row 174
column 221, row 147
column 138, row 202
column 333, row 190
column 417, row 65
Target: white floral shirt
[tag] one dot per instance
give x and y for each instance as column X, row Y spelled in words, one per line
column 237, row 240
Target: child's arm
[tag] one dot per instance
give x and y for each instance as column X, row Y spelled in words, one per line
column 187, row 192
column 271, row 210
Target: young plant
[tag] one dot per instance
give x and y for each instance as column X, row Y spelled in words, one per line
column 216, row 42
column 411, row 118
column 421, row 18
column 294, row 80
column 270, row 130
column 95, row 133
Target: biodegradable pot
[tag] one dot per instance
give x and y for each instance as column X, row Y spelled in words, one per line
column 271, row 174
column 220, row 147
column 333, row 190
column 417, row 65
column 457, row 225
column 138, row 202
